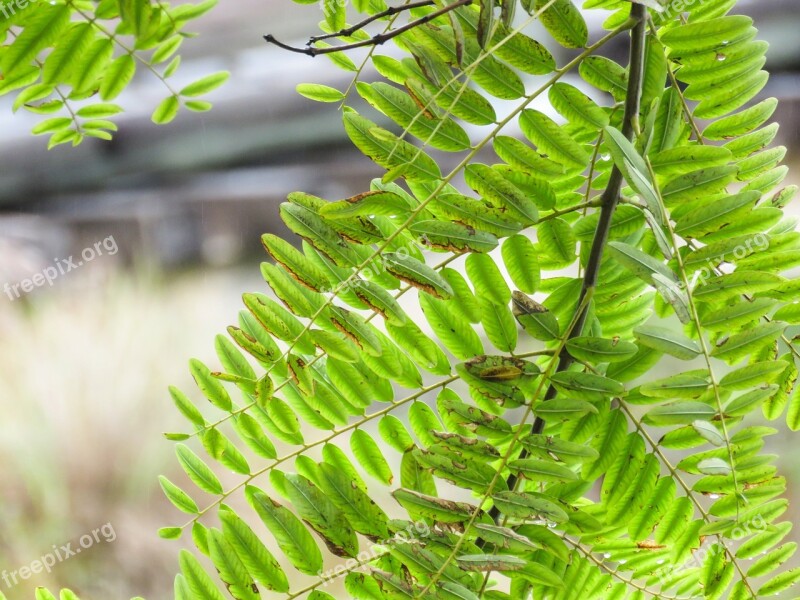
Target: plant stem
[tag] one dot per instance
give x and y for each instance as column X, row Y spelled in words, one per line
column 608, row 203
column 389, row 12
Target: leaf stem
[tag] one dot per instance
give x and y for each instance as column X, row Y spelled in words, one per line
column 608, row 202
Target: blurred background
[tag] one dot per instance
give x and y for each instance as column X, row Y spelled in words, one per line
column 171, row 217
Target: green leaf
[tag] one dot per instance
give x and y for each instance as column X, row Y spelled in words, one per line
column 199, row 472
column 588, row 383
column 552, row 139
column 177, row 496
column 205, row 85
column 599, row 350
column 319, row 92
column 418, row 274
column 259, row 562
column 232, row 571
column 370, row 457
column 739, row 345
column 487, row 279
column 294, row 539
column 606, row 75
column 198, row 581
column 429, row 507
column 667, row 341
column 522, row 262
column 577, row 107
column 679, row 413
column 526, row 505
column 452, row 329
column 316, row 509
column 210, row 386
column 443, row 134
column 557, row 242
column 41, row 30
column 499, row 192
column 640, row 264
column 683, row 385
column 166, row 111
column 388, row 150
column 563, row 21
column 117, row 77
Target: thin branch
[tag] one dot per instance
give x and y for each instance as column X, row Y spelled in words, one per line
column 389, row 12
column 377, row 40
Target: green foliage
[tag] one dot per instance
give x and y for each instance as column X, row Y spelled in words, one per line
column 496, row 360
column 69, row 60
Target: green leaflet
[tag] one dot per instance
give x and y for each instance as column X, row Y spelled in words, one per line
column 493, row 76
column 487, row 279
column 601, row 350
column 557, row 242
column 433, row 508
column 552, row 139
column 463, row 300
column 441, row 134
column 568, row 452
column 197, row 580
column 500, row 193
column 536, row 319
column 708, row 218
column 388, row 150
column 667, row 341
column 180, row 499
column 418, row 274
column 230, row 567
column 683, row 385
column 520, row 51
column 708, row 35
column 682, row 160
column 723, row 288
column 380, row 300
column 563, row 21
column 528, row 505
column 316, row 509
column 498, row 323
column 419, row 346
column 488, row 222
column 521, row 156
column 633, row 167
column 453, row 330
column 370, row 456
column 200, row 473
column 640, row 264
column 453, row 237
column 212, row 389
column 679, row 413
column 367, row 204
column 295, row 540
column 606, row 75
column 577, row 107
column 741, row 344
column 542, row 470
column 521, row 261
column 318, row 233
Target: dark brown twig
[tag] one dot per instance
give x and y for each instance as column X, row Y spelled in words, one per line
column 376, row 40
column 389, row 12
column 608, row 202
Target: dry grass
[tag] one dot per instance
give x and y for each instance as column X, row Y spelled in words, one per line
column 83, row 373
